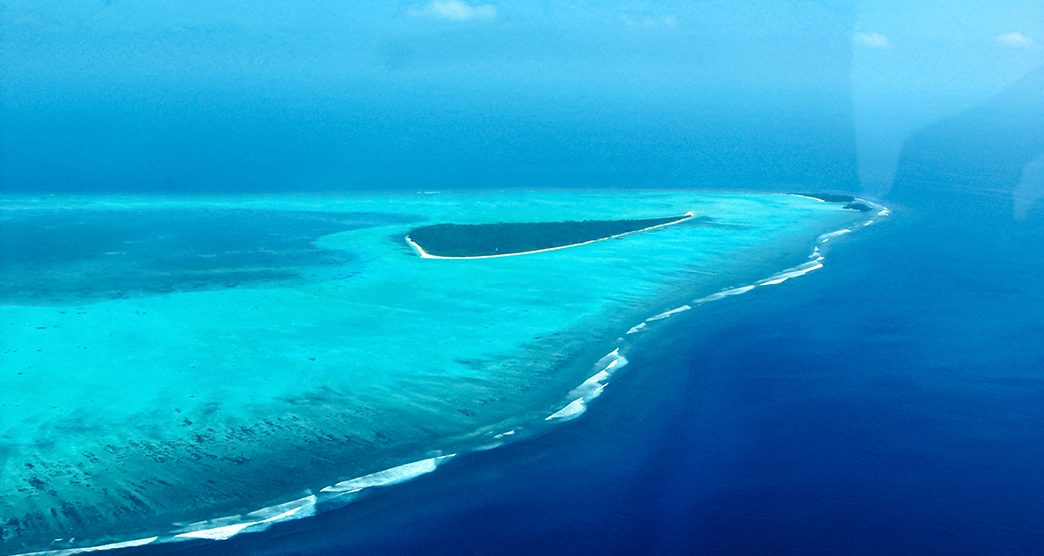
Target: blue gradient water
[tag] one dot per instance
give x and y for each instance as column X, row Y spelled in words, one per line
column 202, row 367
column 889, row 403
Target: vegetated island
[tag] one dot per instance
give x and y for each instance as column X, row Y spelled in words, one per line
column 471, row 241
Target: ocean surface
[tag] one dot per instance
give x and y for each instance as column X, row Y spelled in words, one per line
column 888, row 403
column 202, row 368
column 216, row 337
column 885, row 397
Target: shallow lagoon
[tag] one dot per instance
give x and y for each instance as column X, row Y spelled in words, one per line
column 149, row 414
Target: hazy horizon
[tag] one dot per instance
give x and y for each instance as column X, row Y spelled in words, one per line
column 197, row 97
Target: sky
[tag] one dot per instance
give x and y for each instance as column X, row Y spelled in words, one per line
column 231, row 96
column 916, row 65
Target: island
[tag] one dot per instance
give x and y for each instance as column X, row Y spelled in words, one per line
column 470, row 241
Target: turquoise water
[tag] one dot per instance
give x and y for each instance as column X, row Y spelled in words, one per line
column 295, row 344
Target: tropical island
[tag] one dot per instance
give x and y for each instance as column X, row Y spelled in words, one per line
column 468, row 241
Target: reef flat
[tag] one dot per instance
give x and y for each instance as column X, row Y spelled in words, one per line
column 266, row 357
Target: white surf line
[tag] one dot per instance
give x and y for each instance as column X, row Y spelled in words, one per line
column 386, row 477
column 590, row 388
column 425, row 255
column 827, row 237
column 225, row 532
column 670, row 313
column 98, row 548
column 224, row 528
column 814, row 263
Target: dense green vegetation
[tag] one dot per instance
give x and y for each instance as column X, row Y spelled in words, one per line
column 474, row 240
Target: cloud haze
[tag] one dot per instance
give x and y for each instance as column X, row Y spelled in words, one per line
column 1015, row 39
column 872, row 40
column 455, row 10
column 647, row 21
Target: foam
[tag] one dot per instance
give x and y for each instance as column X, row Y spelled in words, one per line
column 224, row 528
column 723, row 294
column 828, row 236
column 124, row 544
column 592, row 387
column 594, row 383
column 219, row 533
column 259, row 520
column 572, row 410
column 391, row 476
column 498, row 441
column 98, row 548
column 608, row 363
column 668, row 314
column 789, row 273
column 612, row 359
